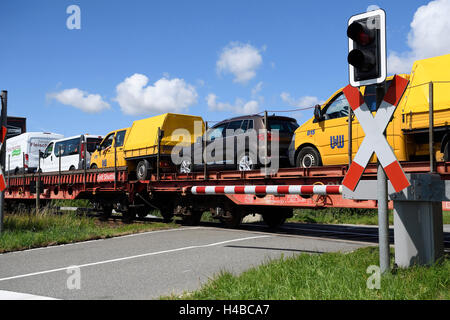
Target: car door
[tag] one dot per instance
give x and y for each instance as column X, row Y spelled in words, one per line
column 331, row 133
column 47, row 158
column 118, row 146
column 214, row 152
column 233, row 130
column 106, row 153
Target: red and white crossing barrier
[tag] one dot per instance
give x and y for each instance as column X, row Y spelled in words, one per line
column 375, row 141
column 2, row 176
column 272, row 190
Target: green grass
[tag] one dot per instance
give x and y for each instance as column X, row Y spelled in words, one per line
column 25, row 231
column 345, row 216
column 327, row 276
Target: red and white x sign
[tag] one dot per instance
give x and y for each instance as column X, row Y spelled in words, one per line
column 375, row 141
column 2, row 176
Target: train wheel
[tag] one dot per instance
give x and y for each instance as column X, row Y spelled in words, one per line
column 275, row 217
column 106, row 212
column 167, row 215
column 233, row 218
column 129, row 215
column 192, row 219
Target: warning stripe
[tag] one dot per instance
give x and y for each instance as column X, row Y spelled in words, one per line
column 397, row 177
column 274, row 190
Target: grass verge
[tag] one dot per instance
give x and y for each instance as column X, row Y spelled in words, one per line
column 26, row 231
column 345, row 216
column 328, row 276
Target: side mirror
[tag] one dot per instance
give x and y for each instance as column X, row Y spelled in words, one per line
column 98, row 148
column 41, row 154
column 317, row 113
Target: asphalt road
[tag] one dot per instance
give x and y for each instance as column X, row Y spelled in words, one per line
column 148, row 265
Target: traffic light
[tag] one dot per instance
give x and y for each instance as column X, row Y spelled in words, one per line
column 367, row 48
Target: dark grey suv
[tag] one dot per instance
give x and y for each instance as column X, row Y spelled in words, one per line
column 240, row 143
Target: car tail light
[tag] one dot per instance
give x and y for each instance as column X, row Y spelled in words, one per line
column 164, row 164
column 25, row 165
column 269, row 137
column 82, row 151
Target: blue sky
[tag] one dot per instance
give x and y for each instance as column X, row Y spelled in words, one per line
column 133, row 59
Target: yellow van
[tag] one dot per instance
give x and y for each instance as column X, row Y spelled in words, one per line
column 323, row 140
column 137, row 147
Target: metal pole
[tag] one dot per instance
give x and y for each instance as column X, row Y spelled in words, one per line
column 158, row 156
column 85, row 161
column 266, row 125
column 350, row 136
column 431, row 125
column 9, row 168
column 4, row 103
column 383, row 214
column 115, row 162
column 59, row 165
column 205, row 166
column 38, row 185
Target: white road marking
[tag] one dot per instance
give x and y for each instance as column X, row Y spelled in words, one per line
column 95, row 240
column 11, row 295
column 132, row 257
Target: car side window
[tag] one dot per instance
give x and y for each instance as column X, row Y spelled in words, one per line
column 48, row 150
column 338, row 108
column 233, row 126
column 107, row 142
column 217, row 132
column 120, row 137
column 244, row 125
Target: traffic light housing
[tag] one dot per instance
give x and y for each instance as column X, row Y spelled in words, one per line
column 367, row 48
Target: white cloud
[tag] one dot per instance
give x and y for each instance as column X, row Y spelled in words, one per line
column 428, row 37
column 241, row 60
column 91, row 103
column 135, row 96
column 302, row 102
column 239, row 107
column 256, row 89
column 372, row 7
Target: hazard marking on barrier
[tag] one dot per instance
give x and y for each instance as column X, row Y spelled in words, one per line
column 3, row 184
column 375, row 140
column 273, row 190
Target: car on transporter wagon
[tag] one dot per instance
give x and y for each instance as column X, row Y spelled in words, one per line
column 239, row 144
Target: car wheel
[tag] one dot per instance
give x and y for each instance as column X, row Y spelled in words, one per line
column 185, row 166
column 142, row 170
column 246, row 162
column 94, row 166
column 308, row 157
column 72, row 168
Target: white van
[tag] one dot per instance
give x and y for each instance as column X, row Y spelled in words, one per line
column 69, row 153
column 22, row 151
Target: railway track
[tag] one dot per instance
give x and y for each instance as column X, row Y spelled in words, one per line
column 356, row 233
